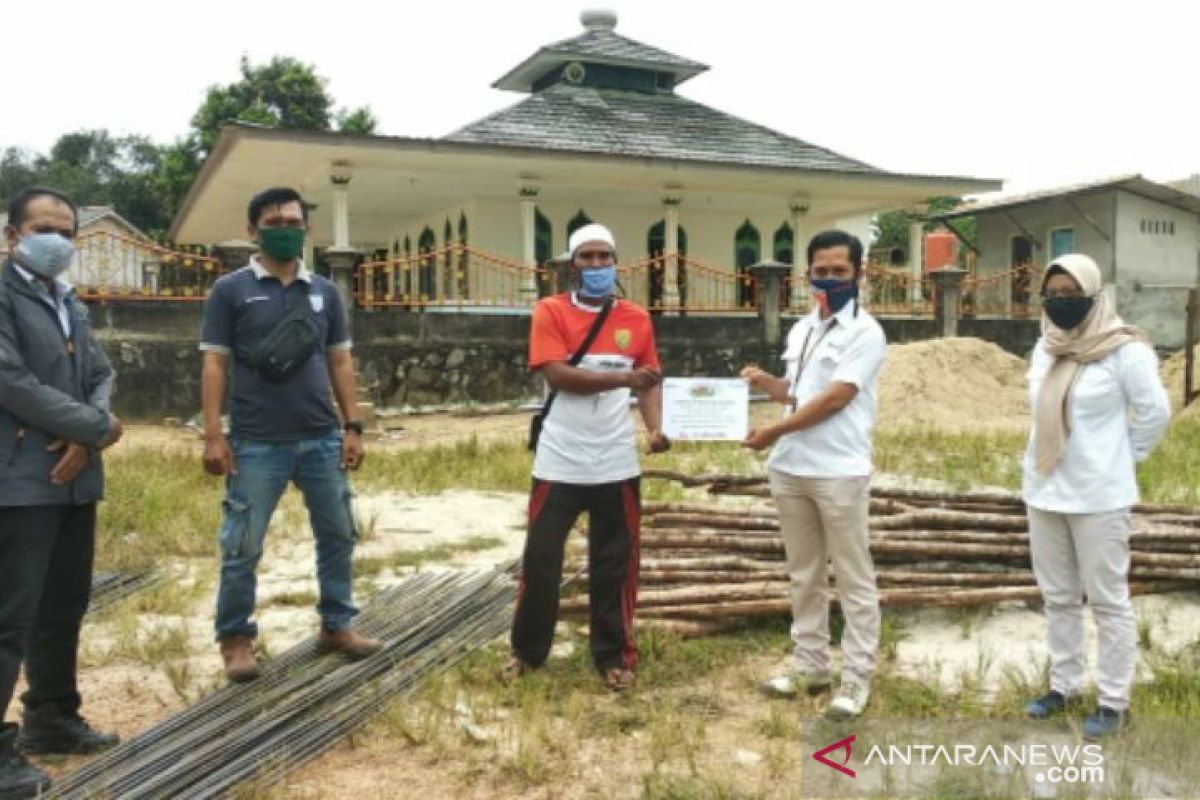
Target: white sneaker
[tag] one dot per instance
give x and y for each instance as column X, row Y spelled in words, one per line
column 849, row 701
column 789, row 684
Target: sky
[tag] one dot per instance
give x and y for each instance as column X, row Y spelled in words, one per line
column 1037, row 94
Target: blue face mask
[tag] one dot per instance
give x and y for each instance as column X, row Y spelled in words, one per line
column 597, row 281
column 46, row 255
column 832, row 295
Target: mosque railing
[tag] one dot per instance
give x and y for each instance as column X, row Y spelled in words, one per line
column 1009, row 293
column 454, row 276
column 699, row 287
column 113, row 267
column 986, row 293
column 466, row 278
column 887, row 291
column 461, row 277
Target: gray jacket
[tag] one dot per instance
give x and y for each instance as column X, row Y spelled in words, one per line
column 50, row 388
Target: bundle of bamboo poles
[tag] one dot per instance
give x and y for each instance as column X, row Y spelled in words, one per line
column 707, row 567
column 305, row 701
column 109, row 588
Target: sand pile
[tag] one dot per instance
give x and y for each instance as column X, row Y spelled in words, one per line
column 960, row 384
column 1172, row 378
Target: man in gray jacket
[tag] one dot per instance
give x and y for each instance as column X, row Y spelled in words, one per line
column 55, row 384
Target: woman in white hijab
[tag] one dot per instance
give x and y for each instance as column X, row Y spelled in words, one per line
column 1098, row 408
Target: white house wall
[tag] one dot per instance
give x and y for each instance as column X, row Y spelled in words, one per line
column 1155, row 257
column 413, row 227
column 861, row 226
column 495, row 226
column 1155, row 269
column 995, row 232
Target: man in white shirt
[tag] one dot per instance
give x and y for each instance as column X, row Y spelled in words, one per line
column 819, row 473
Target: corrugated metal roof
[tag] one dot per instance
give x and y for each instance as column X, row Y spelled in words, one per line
column 1135, row 184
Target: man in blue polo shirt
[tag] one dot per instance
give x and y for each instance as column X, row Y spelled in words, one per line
column 283, row 427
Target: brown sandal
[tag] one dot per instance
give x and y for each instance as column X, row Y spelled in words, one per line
column 618, row 679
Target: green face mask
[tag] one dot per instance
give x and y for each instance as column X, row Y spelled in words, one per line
column 282, row 244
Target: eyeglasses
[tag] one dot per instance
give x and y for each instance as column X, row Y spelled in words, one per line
column 1057, row 294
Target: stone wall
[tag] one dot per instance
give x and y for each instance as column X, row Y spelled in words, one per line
column 433, row 358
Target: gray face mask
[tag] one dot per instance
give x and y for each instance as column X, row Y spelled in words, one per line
column 46, row 255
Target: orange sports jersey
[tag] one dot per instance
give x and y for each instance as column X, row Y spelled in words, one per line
column 560, row 326
column 590, row 439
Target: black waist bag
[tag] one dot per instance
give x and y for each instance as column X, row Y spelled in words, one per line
column 289, row 344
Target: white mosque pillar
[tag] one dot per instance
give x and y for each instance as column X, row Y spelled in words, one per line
column 916, row 263
column 341, row 210
column 799, row 292
column 529, row 286
column 342, row 258
column 671, row 299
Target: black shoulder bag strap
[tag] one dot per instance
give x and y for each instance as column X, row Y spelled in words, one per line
column 535, row 428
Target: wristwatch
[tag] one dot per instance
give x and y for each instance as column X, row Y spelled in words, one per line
column 353, row 425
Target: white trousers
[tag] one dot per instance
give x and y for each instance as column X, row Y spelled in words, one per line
column 1077, row 556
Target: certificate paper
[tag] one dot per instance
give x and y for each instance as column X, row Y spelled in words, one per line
column 706, row 409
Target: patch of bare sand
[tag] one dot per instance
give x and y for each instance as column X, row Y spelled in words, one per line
column 125, row 699
column 402, row 433
column 720, row 723
column 946, row 646
column 404, row 522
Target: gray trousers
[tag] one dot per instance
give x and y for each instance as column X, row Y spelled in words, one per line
column 823, row 520
column 1078, row 555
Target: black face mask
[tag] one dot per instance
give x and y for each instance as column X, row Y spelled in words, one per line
column 1067, row 312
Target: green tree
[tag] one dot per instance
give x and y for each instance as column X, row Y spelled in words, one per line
column 361, row 120
column 95, row 169
column 145, row 182
column 283, row 93
column 893, row 225
column 179, row 166
column 17, row 170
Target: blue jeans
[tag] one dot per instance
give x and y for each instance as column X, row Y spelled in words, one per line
column 263, row 472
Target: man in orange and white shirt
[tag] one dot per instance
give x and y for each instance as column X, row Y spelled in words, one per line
column 586, row 460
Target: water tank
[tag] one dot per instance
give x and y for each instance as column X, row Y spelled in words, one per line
column 941, row 250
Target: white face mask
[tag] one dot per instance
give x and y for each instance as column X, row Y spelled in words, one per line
column 46, row 255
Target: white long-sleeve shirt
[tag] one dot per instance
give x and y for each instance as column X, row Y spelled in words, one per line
column 1118, row 411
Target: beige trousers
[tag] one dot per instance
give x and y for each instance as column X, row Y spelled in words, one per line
column 1078, row 555
column 823, row 520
